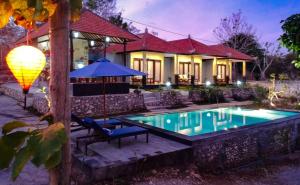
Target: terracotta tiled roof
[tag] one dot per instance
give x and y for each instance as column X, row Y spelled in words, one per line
column 191, row 46
column 88, row 23
column 147, row 42
column 231, row 53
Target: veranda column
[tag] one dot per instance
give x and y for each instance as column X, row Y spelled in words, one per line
column 145, row 67
column 214, row 70
column 192, row 73
column 227, row 72
column 201, row 71
column 244, row 71
column 176, row 70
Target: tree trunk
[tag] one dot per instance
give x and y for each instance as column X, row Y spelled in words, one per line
column 263, row 75
column 59, row 85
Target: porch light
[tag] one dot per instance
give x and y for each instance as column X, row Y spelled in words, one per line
column 168, row 84
column 44, row 44
column 238, row 83
column 26, row 64
column 208, row 83
column 107, row 39
column 76, row 34
column 92, row 43
column 80, row 65
column 168, row 121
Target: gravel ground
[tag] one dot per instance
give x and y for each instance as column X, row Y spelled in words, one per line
column 279, row 171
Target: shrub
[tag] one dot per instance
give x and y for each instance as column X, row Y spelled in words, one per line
column 260, row 93
column 209, row 95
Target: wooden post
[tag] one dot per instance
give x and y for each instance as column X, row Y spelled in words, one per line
column 71, row 52
column 59, row 85
column 124, row 57
column 124, row 53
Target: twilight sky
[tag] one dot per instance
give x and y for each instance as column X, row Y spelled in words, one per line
column 200, row 17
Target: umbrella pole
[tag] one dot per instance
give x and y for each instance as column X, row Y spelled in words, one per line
column 104, row 99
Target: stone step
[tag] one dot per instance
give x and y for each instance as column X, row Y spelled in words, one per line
column 153, row 103
column 150, row 108
column 149, row 99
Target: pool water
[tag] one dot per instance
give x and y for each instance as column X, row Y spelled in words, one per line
column 210, row 120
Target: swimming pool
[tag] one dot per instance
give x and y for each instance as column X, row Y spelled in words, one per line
column 201, row 122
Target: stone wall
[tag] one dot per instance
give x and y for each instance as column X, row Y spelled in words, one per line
column 40, row 104
column 16, row 94
column 84, row 105
column 246, row 146
column 170, row 98
column 115, row 104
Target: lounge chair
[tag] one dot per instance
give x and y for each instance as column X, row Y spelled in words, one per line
column 120, row 133
column 86, row 123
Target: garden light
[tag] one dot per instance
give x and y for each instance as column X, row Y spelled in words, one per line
column 168, row 84
column 238, row 83
column 208, row 83
column 26, row 64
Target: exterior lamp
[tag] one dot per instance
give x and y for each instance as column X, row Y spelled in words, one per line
column 26, row 64
column 238, row 83
column 92, row 43
column 208, row 83
column 107, row 39
column 76, row 34
column 168, row 84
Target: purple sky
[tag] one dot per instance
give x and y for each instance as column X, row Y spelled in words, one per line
column 200, row 17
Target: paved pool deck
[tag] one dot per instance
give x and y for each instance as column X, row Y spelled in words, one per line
column 11, row 110
column 106, row 160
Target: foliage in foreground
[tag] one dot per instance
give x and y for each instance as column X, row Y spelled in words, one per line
column 291, row 36
column 27, row 12
column 22, row 142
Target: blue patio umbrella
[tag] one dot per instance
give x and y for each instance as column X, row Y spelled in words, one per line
column 104, row 68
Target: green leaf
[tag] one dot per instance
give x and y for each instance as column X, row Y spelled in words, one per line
column 8, row 127
column 51, row 140
column 47, row 117
column 22, row 157
column 54, row 160
column 7, row 154
column 15, row 139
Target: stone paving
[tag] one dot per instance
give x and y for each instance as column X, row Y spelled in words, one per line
column 11, row 110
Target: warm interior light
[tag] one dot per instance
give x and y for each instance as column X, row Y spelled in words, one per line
column 26, row 63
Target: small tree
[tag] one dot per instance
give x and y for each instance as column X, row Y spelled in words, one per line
column 291, row 36
column 271, row 53
column 104, row 8
column 235, row 32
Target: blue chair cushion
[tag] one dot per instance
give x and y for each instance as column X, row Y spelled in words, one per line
column 109, row 121
column 127, row 130
column 88, row 121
